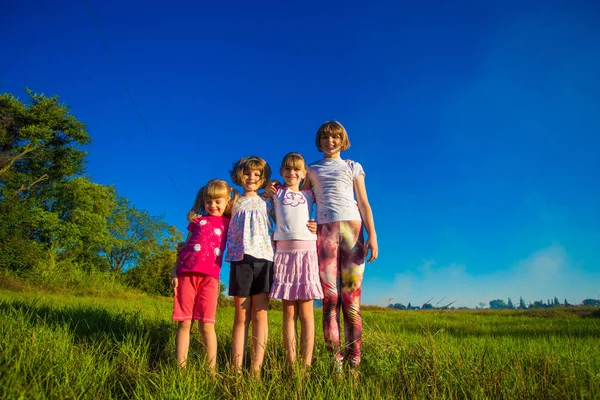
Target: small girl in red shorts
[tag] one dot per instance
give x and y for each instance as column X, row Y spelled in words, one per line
column 195, row 276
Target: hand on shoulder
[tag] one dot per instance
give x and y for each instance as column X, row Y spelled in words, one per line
column 271, row 188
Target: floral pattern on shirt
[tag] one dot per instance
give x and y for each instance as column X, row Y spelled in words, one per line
column 204, row 248
column 251, row 229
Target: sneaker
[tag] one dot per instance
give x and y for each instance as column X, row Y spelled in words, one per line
column 338, row 365
column 353, row 368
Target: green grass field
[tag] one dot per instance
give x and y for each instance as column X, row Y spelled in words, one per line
column 63, row 346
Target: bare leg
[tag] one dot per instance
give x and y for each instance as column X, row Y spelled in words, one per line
column 290, row 315
column 209, row 340
column 239, row 334
column 260, row 330
column 307, row 323
column 182, row 342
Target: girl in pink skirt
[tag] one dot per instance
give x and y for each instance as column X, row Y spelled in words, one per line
column 296, row 270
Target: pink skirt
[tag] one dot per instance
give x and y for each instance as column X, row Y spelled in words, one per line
column 296, row 271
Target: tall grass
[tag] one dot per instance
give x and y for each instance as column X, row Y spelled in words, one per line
column 65, row 346
column 67, row 278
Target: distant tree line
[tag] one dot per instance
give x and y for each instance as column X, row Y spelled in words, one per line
column 499, row 304
column 549, row 303
column 56, row 225
column 400, row 306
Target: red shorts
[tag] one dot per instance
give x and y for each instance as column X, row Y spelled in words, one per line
column 196, row 298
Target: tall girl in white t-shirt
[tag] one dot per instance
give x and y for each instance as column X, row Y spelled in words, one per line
column 296, row 270
column 342, row 211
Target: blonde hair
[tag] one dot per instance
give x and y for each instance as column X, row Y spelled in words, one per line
column 214, row 189
column 293, row 160
column 247, row 164
column 333, row 128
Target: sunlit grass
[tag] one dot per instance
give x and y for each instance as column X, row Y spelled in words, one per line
column 66, row 346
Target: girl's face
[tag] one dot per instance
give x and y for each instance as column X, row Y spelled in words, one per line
column 331, row 144
column 216, row 207
column 292, row 176
column 252, row 180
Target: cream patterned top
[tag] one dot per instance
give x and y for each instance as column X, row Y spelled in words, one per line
column 251, row 229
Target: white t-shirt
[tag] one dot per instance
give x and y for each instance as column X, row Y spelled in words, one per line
column 292, row 213
column 333, row 183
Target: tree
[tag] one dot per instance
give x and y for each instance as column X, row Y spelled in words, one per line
column 522, row 305
column 50, row 213
column 153, row 275
column 591, row 303
column 75, row 225
column 510, row 304
column 538, row 304
column 18, row 251
column 223, row 299
column 137, row 236
column 39, row 153
column 497, row 304
column 39, row 143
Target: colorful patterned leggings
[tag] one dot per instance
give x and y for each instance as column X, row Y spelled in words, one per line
column 341, row 251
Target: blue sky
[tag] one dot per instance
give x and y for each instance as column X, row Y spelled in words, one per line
column 477, row 123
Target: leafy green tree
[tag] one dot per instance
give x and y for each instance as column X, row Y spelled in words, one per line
column 75, row 225
column 223, row 299
column 497, row 304
column 50, row 213
column 538, row 304
column 522, row 305
column 18, row 251
column 510, row 304
column 397, row 306
column 556, row 302
column 591, row 302
column 39, row 143
column 153, row 275
column 39, row 151
column 137, row 236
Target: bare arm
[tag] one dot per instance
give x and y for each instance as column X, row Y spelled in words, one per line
column 174, row 279
column 360, row 190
